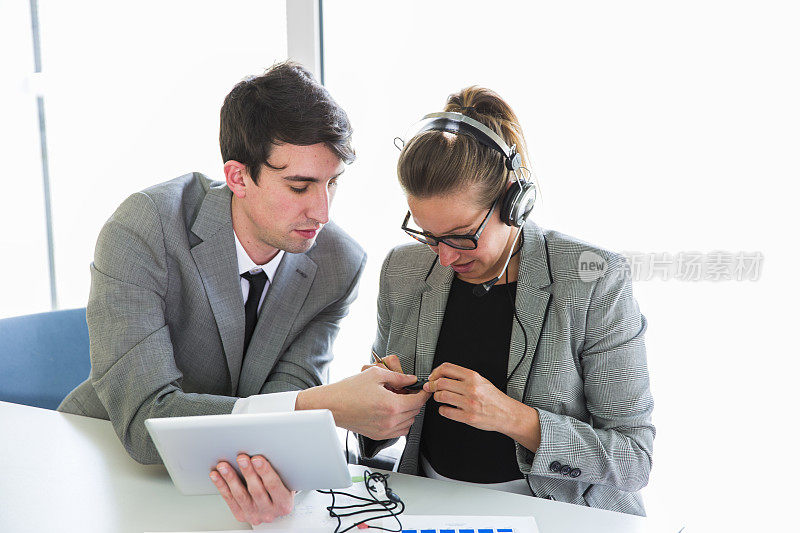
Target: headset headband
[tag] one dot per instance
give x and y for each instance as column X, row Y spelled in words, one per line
column 458, row 123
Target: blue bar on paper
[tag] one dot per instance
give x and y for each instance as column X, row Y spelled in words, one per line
column 486, row 531
column 466, row 531
column 409, row 531
column 505, row 531
column 447, row 531
column 427, row 531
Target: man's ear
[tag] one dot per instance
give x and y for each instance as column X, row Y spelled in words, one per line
column 236, row 176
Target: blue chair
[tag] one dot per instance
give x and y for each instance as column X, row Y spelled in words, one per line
column 43, row 357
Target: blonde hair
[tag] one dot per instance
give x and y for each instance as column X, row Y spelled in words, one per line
column 435, row 162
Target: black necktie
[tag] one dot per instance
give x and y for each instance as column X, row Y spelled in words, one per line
column 257, row 283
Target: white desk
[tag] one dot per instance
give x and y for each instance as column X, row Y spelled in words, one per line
column 68, row 473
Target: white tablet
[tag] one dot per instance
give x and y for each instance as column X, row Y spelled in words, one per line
column 302, row 447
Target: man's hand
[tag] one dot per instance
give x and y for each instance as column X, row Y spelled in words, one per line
column 367, row 404
column 470, row 398
column 263, row 500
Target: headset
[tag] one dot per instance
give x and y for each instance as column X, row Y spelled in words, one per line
column 518, row 200
column 516, row 205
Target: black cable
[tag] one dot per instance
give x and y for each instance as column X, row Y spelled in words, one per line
column 347, row 447
column 512, row 300
column 389, row 505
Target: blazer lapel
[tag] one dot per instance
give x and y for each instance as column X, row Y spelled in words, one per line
column 215, row 258
column 283, row 301
column 532, row 304
column 431, row 313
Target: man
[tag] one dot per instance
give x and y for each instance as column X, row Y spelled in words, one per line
column 212, row 298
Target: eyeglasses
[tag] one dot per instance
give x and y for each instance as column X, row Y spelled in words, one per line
column 459, row 242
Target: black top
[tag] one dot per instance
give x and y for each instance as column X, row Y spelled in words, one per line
column 475, row 334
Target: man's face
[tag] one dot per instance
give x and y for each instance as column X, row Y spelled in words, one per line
column 288, row 207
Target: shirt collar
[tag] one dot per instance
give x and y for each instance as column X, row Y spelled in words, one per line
column 247, row 265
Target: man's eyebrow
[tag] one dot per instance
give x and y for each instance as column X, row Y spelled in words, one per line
column 310, row 178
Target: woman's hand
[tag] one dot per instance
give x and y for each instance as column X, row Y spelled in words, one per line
column 265, row 497
column 474, row 400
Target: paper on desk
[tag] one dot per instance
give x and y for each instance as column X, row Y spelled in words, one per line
column 416, row 523
column 310, row 516
column 493, row 524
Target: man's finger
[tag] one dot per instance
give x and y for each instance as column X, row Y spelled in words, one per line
column 238, row 490
column 254, row 485
column 402, row 430
column 396, row 379
column 282, row 498
column 410, row 402
column 226, row 494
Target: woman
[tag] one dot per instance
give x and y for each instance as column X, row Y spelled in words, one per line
column 537, row 368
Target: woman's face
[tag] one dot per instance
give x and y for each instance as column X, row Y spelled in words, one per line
column 459, row 213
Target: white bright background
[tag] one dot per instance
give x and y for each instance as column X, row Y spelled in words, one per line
column 655, row 127
column 132, row 97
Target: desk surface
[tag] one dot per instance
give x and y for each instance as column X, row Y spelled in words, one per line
column 68, row 473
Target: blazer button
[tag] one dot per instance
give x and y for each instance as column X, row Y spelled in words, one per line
column 555, row 467
column 575, row 472
column 565, row 470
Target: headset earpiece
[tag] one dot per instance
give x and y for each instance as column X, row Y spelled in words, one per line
column 517, row 203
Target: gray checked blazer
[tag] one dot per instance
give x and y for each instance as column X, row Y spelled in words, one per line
column 585, row 369
column 166, row 314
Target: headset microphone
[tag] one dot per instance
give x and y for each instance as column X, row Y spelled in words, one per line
column 516, row 202
column 483, row 288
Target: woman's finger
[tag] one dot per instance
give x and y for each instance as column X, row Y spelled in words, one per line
column 450, row 398
column 452, row 371
column 393, row 363
column 452, row 385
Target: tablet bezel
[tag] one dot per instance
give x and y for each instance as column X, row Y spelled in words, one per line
column 302, row 446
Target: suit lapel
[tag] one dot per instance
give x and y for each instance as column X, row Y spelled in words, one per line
column 532, row 303
column 434, row 301
column 215, row 258
column 283, row 301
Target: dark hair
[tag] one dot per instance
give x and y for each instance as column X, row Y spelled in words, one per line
column 435, row 162
column 285, row 105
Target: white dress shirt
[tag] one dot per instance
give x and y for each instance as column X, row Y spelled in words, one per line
column 260, row 403
column 248, row 265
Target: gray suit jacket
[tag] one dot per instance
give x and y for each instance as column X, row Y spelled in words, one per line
column 166, row 315
column 585, row 370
